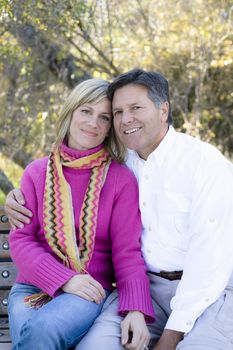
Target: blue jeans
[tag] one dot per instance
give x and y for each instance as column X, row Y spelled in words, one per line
column 58, row 325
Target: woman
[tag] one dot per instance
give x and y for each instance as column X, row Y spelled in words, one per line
column 84, row 234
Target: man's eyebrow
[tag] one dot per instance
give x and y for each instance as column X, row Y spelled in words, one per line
column 128, row 105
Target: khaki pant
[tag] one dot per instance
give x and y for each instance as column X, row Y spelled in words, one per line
column 212, row 331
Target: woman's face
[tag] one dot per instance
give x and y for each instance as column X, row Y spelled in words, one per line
column 90, row 125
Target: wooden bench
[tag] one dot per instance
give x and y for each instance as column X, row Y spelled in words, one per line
column 7, row 277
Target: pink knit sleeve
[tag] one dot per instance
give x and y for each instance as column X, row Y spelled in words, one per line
column 31, row 254
column 129, row 266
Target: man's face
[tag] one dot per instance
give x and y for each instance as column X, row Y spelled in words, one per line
column 139, row 124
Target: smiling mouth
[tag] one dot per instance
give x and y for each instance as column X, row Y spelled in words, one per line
column 89, row 133
column 132, row 131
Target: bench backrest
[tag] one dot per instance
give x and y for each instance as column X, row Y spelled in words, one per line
column 7, row 268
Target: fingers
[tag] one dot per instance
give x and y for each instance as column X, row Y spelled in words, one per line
column 13, row 205
column 135, row 342
column 86, row 287
column 95, row 290
column 98, row 287
column 17, row 214
column 135, row 334
column 17, row 219
column 18, row 196
column 87, row 295
column 125, row 332
column 139, row 340
column 90, row 295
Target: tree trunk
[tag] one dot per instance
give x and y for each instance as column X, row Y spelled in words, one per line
column 64, row 68
column 5, row 184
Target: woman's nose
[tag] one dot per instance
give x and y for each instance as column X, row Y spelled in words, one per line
column 93, row 121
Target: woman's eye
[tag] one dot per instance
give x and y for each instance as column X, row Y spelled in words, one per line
column 106, row 118
column 86, row 111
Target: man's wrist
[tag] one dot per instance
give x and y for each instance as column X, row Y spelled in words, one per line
column 169, row 340
column 174, row 336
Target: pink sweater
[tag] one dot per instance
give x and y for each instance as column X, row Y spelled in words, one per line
column 117, row 252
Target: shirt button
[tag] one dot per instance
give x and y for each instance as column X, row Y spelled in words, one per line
column 149, row 228
column 144, row 204
column 148, row 251
column 189, row 323
column 207, row 300
column 146, row 177
column 211, row 219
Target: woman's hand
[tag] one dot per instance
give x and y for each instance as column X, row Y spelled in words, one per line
column 134, row 331
column 86, row 287
column 17, row 214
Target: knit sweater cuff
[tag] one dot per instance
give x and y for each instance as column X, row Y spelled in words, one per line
column 134, row 295
column 50, row 275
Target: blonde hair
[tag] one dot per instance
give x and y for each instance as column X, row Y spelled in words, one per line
column 89, row 91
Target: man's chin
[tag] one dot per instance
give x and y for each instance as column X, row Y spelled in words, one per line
column 131, row 146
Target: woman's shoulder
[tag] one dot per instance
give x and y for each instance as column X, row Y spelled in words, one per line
column 121, row 167
column 122, row 172
column 37, row 166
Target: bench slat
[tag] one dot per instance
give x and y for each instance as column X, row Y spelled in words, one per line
column 4, row 224
column 7, row 276
column 4, row 246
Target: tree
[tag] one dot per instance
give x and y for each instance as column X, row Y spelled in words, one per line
column 49, row 46
column 6, row 184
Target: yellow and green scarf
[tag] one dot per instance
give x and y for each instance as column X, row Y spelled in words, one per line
column 58, row 212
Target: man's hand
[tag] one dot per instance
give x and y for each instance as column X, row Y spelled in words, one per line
column 134, row 332
column 169, row 340
column 86, row 287
column 17, row 214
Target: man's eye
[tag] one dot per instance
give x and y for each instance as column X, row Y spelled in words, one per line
column 136, row 107
column 116, row 113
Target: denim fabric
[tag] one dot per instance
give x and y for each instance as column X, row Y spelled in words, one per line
column 58, row 325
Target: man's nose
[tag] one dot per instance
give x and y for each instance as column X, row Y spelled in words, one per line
column 127, row 117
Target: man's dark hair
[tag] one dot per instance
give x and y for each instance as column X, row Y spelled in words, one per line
column 156, row 84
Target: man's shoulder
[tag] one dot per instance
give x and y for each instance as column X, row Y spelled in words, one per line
column 192, row 146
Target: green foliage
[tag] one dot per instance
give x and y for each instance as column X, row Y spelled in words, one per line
column 46, row 47
column 12, row 171
column 2, row 198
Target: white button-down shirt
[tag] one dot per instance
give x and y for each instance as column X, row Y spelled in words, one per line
column 186, row 202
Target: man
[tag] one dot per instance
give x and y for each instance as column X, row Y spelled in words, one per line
column 186, row 201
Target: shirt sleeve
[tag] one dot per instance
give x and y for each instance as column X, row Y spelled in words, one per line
column 209, row 261
column 130, row 270
column 30, row 254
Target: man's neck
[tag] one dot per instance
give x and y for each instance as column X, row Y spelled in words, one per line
column 145, row 154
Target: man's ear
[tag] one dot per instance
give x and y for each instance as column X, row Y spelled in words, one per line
column 165, row 109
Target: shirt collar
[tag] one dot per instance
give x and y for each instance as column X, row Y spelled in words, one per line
column 162, row 150
column 165, row 146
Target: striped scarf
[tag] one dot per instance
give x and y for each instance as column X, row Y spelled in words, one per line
column 58, row 216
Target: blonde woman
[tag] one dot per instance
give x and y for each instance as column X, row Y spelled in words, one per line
column 83, row 236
